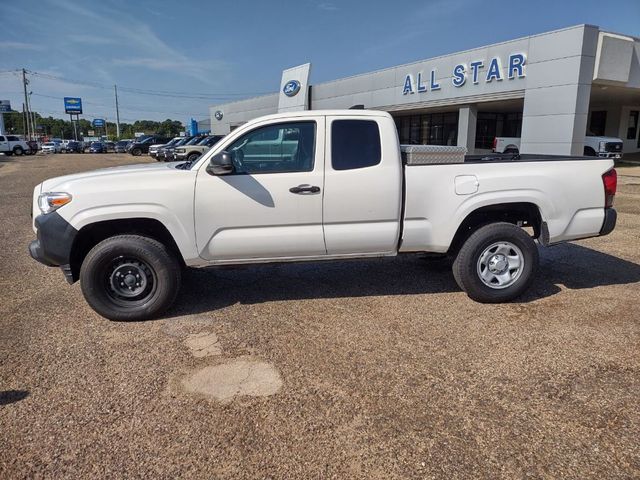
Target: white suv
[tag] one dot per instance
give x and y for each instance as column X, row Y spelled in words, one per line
column 12, row 145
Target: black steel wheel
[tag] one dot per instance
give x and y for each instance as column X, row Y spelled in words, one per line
column 130, row 277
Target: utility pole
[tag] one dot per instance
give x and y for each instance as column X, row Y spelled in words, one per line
column 26, row 102
column 115, row 89
column 24, row 118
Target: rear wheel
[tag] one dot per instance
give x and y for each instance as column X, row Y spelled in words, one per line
column 130, row 277
column 18, row 151
column 497, row 263
column 511, row 150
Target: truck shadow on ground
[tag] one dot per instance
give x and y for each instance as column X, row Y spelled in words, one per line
column 571, row 265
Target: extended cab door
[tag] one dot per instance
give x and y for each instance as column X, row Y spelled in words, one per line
column 4, row 144
column 363, row 185
column 270, row 207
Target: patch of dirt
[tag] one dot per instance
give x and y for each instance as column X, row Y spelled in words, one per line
column 203, row 344
column 241, row 376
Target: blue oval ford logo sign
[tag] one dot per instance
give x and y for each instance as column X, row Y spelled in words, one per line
column 291, row 88
column 218, row 115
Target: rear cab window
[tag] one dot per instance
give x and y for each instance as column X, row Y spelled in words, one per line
column 355, row 144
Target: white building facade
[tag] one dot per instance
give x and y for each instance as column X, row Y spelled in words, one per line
column 550, row 90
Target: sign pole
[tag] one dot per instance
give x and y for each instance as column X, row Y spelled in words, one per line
column 1, row 123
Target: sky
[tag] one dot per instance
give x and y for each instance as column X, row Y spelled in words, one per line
column 163, row 53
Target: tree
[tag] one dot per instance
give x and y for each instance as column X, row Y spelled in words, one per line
column 60, row 128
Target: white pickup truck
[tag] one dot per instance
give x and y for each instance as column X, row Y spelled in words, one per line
column 12, row 145
column 311, row 186
column 594, row 146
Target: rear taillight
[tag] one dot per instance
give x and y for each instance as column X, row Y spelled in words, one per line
column 495, row 143
column 610, row 182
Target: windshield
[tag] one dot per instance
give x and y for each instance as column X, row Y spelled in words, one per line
column 182, row 141
column 96, row 144
column 194, row 141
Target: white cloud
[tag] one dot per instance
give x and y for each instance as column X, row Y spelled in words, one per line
column 327, row 6
column 20, row 46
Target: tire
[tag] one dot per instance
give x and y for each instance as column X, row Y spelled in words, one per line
column 589, row 152
column 136, row 152
column 17, row 151
column 193, row 157
column 512, row 150
column 130, row 278
column 483, row 255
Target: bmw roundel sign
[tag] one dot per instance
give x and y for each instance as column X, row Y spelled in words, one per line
column 291, row 88
column 218, row 115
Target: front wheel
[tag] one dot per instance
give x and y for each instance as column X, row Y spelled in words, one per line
column 130, row 277
column 497, row 263
column 136, row 152
column 18, row 151
column 192, row 157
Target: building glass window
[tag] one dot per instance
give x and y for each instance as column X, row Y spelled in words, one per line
column 490, row 125
column 486, row 128
column 597, row 124
column 512, row 125
column 632, row 127
column 428, row 129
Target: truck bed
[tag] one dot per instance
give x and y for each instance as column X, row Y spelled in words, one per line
column 568, row 192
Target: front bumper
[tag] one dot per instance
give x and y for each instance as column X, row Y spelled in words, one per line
column 53, row 245
column 613, row 155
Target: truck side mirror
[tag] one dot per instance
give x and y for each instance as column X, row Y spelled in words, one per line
column 220, row 164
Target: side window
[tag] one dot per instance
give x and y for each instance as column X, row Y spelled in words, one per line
column 13, row 138
column 284, row 147
column 2, row 138
column 355, row 144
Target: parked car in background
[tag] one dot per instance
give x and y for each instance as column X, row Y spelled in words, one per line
column 594, row 146
column 143, row 144
column 153, row 149
column 165, row 154
column 97, row 147
column 191, row 153
column 74, row 147
column 34, row 146
column 121, row 146
column 109, row 146
column 12, row 145
column 50, row 147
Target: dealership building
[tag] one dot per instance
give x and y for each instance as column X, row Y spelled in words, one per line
column 549, row 89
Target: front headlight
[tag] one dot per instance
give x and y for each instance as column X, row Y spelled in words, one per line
column 181, row 150
column 602, row 146
column 51, row 201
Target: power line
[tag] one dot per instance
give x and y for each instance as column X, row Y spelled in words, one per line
column 161, row 93
column 131, row 108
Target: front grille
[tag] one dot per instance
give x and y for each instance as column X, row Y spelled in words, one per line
column 613, row 147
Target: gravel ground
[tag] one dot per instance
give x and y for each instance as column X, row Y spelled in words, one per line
column 365, row 369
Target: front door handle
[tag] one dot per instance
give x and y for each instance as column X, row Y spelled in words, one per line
column 305, row 189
